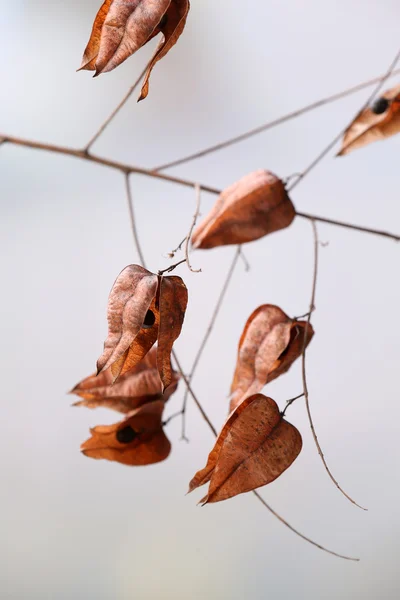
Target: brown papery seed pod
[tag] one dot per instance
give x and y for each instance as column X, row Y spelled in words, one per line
column 254, row 206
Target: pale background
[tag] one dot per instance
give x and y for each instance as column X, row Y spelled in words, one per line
column 77, row 528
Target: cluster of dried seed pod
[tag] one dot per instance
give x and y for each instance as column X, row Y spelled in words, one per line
column 134, row 377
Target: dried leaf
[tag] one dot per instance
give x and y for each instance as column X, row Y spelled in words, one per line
column 255, row 447
column 378, row 122
column 271, row 341
column 136, row 387
column 137, row 440
column 143, row 308
column 122, row 27
column 254, row 206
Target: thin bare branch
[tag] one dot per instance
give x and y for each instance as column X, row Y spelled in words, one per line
column 115, row 111
column 195, row 399
column 132, row 219
column 192, row 226
column 244, row 259
column 126, row 168
column 303, row 365
column 290, row 402
column 392, row 236
column 172, row 267
column 261, row 499
column 208, row 333
column 274, row 123
column 329, row 147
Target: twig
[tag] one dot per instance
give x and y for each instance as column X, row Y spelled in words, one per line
column 274, row 123
column 172, row 267
column 244, row 259
column 133, row 220
column 197, row 187
column 261, row 499
column 303, row 366
column 329, row 147
column 126, row 168
column 196, row 401
column 115, row 111
column 171, row 417
column 290, row 402
column 208, row 333
column 179, row 247
column 392, row 236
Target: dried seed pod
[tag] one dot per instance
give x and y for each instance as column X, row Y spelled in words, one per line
column 255, row 446
column 139, row 386
column 271, row 341
column 143, row 308
column 378, row 122
column 254, row 206
column 137, row 440
column 122, row 27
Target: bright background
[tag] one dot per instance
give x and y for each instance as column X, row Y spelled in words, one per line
column 77, row 528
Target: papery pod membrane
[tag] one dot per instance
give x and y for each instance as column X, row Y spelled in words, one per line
column 122, row 27
column 255, row 446
column 136, row 387
column 129, row 300
column 137, row 440
column 271, row 341
column 256, row 205
column 143, row 308
column 377, row 122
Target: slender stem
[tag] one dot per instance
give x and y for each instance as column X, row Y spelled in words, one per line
column 126, row 168
column 115, row 111
column 195, row 399
column 274, row 123
column 261, row 499
column 192, row 226
column 133, row 220
column 303, row 365
column 208, row 333
column 290, row 402
column 329, row 147
column 392, row 236
column 172, row 267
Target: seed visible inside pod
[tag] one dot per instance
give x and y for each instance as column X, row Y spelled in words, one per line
column 380, row 105
column 149, row 320
column 126, row 435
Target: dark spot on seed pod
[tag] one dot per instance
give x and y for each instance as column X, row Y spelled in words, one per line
column 126, row 435
column 149, row 320
column 380, row 105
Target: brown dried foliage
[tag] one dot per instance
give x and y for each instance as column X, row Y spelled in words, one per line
column 137, row 440
column 140, row 385
column 254, row 206
column 255, row 446
column 121, row 28
column 378, row 122
column 143, row 308
column 271, row 341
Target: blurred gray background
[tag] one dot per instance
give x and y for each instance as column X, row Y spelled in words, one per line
column 77, row 528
